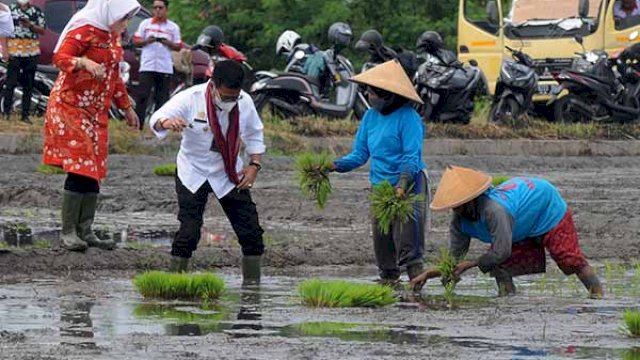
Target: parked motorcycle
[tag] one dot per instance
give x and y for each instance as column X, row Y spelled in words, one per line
column 596, row 91
column 292, row 94
column 39, row 97
column 448, row 89
column 515, row 87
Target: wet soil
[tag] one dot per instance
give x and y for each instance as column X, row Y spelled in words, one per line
column 137, row 206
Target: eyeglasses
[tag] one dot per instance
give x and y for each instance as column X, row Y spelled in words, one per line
column 232, row 98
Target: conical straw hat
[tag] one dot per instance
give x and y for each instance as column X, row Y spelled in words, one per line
column 389, row 76
column 458, row 186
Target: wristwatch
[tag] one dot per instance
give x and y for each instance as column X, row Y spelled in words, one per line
column 256, row 164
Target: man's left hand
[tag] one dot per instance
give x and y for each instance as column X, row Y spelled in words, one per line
column 250, row 173
column 463, row 266
column 132, row 118
column 24, row 22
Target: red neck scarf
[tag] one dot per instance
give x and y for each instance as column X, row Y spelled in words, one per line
column 229, row 148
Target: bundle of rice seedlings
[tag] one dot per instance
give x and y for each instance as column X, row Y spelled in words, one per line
column 312, row 173
column 50, row 170
column 446, row 266
column 165, row 170
column 497, row 180
column 322, row 293
column 632, row 322
column 388, row 208
column 179, row 286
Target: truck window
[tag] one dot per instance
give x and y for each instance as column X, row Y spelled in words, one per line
column 626, row 13
column 475, row 12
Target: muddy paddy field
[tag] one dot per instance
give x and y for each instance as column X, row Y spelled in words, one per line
column 60, row 305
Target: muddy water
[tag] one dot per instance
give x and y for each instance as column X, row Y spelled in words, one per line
column 94, row 316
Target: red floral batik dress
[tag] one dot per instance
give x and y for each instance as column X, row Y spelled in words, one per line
column 76, row 122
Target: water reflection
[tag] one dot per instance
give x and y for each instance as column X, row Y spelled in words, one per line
column 249, row 316
column 76, row 324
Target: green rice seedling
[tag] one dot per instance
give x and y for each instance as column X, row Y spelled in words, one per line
column 324, row 328
column 173, row 286
column 388, row 208
column 312, row 172
column 632, row 322
column 165, row 170
column 324, row 293
column 631, row 354
column 446, row 266
column 41, row 244
column 50, row 170
column 497, row 180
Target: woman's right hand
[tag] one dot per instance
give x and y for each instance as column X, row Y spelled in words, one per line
column 97, row 70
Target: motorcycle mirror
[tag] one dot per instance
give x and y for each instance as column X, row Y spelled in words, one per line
column 299, row 54
column 583, row 8
column 578, row 39
column 634, row 35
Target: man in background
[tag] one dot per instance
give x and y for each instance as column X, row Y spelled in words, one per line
column 23, row 49
column 157, row 37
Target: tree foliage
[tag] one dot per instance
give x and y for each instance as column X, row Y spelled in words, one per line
column 253, row 26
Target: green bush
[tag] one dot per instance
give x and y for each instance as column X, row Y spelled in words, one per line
column 497, row 180
column 50, row 170
column 324, row 293
column 165, row 170
column 173, row 286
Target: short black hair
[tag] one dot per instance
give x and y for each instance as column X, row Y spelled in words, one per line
column 166, row 3
column 228, row 73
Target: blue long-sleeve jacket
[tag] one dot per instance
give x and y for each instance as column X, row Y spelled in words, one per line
column 393, row 142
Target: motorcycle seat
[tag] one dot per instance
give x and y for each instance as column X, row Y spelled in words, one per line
column 310, row 79
column 47, row 69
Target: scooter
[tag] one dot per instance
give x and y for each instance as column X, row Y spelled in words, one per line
column 448, row 89
column 515, row 88
column 39, row 97
column 598, row 92
column 291, row 95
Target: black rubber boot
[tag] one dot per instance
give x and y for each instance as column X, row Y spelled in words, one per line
column 87, row 216
column 251, row 270
column 179, row 264
column 71, row 205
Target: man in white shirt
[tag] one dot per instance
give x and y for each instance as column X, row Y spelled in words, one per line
column 157, row 36
column 6, row 29
column 214, row 118
column 6, row 21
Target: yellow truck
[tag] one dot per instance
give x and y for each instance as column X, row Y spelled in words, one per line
column 544, row 29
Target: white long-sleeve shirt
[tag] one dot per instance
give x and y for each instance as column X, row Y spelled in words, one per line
column 6, row 21
column 196, row 162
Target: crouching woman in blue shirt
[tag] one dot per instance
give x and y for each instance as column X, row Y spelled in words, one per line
column 391, row 135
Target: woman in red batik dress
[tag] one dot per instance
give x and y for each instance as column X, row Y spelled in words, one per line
column 88, row 55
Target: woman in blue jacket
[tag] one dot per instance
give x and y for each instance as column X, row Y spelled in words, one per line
column 390, row 135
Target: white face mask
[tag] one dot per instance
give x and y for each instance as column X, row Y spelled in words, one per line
column 22, row 2
column 225, row 106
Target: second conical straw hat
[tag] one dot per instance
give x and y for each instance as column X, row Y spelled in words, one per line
column 458, row 186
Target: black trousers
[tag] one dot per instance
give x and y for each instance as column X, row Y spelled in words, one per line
column 160, row 82
column 237, row 205
column 81, row 184
column 24, row 70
